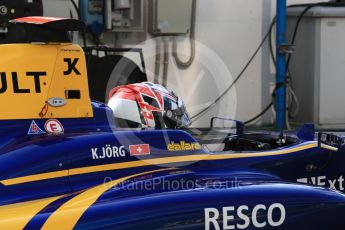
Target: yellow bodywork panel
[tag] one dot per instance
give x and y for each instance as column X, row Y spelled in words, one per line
column 43, row 81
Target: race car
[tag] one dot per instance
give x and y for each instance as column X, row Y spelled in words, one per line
column 67, row 162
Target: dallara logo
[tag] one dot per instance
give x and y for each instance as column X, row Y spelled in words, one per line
column 183, row 146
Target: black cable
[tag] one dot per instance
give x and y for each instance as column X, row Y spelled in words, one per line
column 260, row 114
column 268, row 35
column 195, row 117
column 265, row 109
column 308, row 7
column 271, row 46
column 79, row 18
column 272, row 56
column 76, row 9
column 294, row 35
column 275, row 66
column 289, row 79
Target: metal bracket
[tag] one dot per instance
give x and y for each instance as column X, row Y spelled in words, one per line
column 287, row 48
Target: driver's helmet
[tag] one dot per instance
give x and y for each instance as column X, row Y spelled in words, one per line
column 147, row 105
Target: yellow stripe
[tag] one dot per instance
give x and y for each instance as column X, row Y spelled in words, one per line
column 67, row 216
column 36, row 177
column 16, row 216
column 156, row 161
column 262, row 154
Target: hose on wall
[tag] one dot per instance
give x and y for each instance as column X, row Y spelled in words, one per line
column 166, row 63
column 157, row 61
column 181, row 64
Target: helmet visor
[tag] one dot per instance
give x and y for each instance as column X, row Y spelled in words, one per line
column 177, row 115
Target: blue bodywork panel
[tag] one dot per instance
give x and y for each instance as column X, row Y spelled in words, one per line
column 95, row 176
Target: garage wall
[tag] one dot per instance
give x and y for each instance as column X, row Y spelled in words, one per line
column 227, row 31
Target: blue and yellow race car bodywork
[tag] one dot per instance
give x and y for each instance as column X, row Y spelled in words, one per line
column 64, row 164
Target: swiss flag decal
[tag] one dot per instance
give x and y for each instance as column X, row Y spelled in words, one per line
column 138, row 150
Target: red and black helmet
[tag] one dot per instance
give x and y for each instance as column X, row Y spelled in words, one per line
column 147, row 105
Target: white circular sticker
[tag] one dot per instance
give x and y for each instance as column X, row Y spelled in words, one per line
column 3, row 10
column 54, row 127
